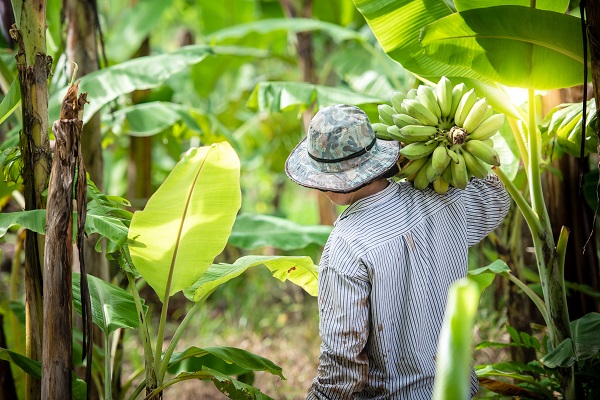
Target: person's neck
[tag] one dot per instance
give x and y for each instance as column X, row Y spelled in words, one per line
column 370, row 189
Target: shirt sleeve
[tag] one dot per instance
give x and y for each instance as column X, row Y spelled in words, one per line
column 486, row 204
column 344, row 329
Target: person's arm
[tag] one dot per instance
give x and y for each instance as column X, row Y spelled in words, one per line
column 486, row 204
column 344, row 329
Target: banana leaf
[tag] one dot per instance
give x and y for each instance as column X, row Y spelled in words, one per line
column 105, row 85
column 454, row 346
column 565, row 123
column 279, row 96
column 231, row 355
column 135, row 23
column 299, row 270
column 397, row 25
column 34, row 368
column 584, row 343
column 187, row 222
column 513, row 45
column 112, row 307
column 251, row 231
column 527, row 47
column 11, row 101
column 35, row 220
column 551, row 5
column 232, row 388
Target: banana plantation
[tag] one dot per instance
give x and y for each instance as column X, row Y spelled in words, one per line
column 153, row 247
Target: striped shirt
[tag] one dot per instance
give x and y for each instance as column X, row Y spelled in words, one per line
column 383, row 283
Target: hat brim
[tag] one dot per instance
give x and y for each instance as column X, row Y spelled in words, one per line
column 301, row 169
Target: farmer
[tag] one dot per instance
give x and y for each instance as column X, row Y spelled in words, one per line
column 389, row 261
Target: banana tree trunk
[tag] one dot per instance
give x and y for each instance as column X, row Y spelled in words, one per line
column 33, row 66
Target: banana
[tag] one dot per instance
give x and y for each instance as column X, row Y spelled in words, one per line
column 440, row 185
column 414, row 151
column 426, row 96
column 412, row 94
column 431, row 174
column 447, row 174
column 487, row 128
column 483, row 151
column 444, row 96
column 385, row 114
column 411, row 168
column 488, row 113
column 459, row 172
column 464, row 106
column 402, row 120
column 457, row 93
column 489, row 142
column 419, row 132
column 475, row 116
column 417, row 110
column 397, row 99
column 440, row 159
column 452, row 155
column 421, row 181
column 474, row 166
column 381, row 131
column 396, row 134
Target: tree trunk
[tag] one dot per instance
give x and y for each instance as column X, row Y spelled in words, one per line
column 33, row 66
column 306, row 61
column 139, row 171
column 82, row 49
column 58, row 330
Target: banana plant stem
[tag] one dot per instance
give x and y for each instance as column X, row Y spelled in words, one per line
column 528, row 213
column 195, row 375
column 180, row 329
column 539, row 303
column 520, row 142
column 107, row 374
column 148, row 353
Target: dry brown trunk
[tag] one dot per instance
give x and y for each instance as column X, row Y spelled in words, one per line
column 33, row 66
column 57, row 350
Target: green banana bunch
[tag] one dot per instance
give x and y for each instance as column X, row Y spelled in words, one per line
column 414, row 151
column 460, row 176
column 487, row 128
column 445, row 134
column 483, row 151
column 411, row 168
column 381, row 131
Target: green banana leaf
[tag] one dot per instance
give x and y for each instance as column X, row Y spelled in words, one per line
column 231, row 355
column 584, row 343
column 11, row 101
column 454, row 346
column 34, row 368
column 105, row 85
column 251, row 231
column 232, row 388
column 279, row 96
column 397, row 25
column 520, row 372
column 551, row 5
column 299, row 270
column 134, row 24
column 266, row 26
column 513, row 45
column 187, row 221
column 147, row 119
column 112, row 307
column 35, row 220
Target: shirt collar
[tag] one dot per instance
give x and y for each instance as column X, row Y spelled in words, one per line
column 368, row 202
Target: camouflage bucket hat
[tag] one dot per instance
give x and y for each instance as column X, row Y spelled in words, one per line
column 340, row 153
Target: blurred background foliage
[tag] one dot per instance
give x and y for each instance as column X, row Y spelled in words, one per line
column 250, row 72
